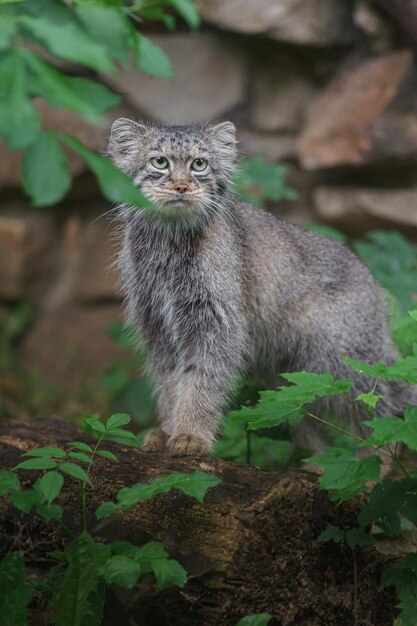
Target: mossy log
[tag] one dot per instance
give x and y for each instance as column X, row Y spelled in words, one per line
column 249, row 548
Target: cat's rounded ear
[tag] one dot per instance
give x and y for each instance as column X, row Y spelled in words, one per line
column 225, row 131
column 124, row 137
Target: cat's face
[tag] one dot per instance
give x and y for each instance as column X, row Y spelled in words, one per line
column 184, row 170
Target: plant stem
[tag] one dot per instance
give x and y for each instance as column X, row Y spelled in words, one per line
column 342, row 430
column 84, row 487
column 390, row 454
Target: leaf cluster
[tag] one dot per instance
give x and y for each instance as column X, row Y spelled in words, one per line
column 391, row 505
column 258, row 180
column 95, row 39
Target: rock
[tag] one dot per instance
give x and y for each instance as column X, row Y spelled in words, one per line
column 367, row 114
column 69, row 348
column 98, row 277
column 380, row 31
column 273, row 147
column 306, row 22
column 404, row 13
column 85, row 269
column 281, row 93
column 28, row 254
column 208, row 81
column 356, row 209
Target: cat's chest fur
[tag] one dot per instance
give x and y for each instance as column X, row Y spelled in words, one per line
column 173, row 280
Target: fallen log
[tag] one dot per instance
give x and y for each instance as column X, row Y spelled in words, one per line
column 250, row 547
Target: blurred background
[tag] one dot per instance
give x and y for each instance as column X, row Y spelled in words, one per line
column 324, row 97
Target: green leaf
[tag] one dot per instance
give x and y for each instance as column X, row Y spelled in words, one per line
column 144, row 554
column 168, row 572
column 8, row 480
column 358, row 537
column 80, row 584
column 403, row 576
column 118, row 419
column 256, row 619
column 96, row 424
column 13, row 594
column 25, row 500
column 258, row 180
column 344, row 474
column 152, row 59
column 120, row 433
column 107, row 454
column 331, row 533
column 58, row 555
column 80, row 445
column 388, row 430
column 404, row 368
column 124, row 334
column 188, row 10
column 286, row 405
column 115, row 186
column 393, row 262
column 106, row 509
column 404, row 332
column 7, row 30
column 80, row 456
column 194, row 485
column 19, row 121
column 370, row 399
column 121, row 570
column 74, row 470
column 50, row 485
column 37, row 464
column 388, row 503
column 49, row 511
column 49, row 452
column 67, row 41
column 45, row 175
column 107, row 26
column 86, row 97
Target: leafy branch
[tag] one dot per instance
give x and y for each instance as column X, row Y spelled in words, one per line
column 95, row 39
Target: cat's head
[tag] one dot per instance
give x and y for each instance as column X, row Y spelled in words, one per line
column 184, row 170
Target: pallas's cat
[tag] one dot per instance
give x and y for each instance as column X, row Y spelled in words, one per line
column 218, row 287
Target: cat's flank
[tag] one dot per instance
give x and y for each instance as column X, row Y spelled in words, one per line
column 218, row 287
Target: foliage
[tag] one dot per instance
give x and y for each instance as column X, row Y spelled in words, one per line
column 77, row 585
column 391, row 506
column 393, row 262
column 257, row 181
column 99, row 37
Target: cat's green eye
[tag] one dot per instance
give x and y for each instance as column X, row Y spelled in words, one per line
column 161, row 163
column 199, row 165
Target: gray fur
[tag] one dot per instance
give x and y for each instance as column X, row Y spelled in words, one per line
column 217, row 286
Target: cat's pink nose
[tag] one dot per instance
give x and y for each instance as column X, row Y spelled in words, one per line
column 181, row 187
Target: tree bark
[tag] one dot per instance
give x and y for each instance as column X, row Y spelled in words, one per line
column 249, row 548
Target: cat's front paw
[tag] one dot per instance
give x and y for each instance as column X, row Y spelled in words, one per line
column 185, row 444
column 155, row 441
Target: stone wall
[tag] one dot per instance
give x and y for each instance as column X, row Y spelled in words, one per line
column 327, row 87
